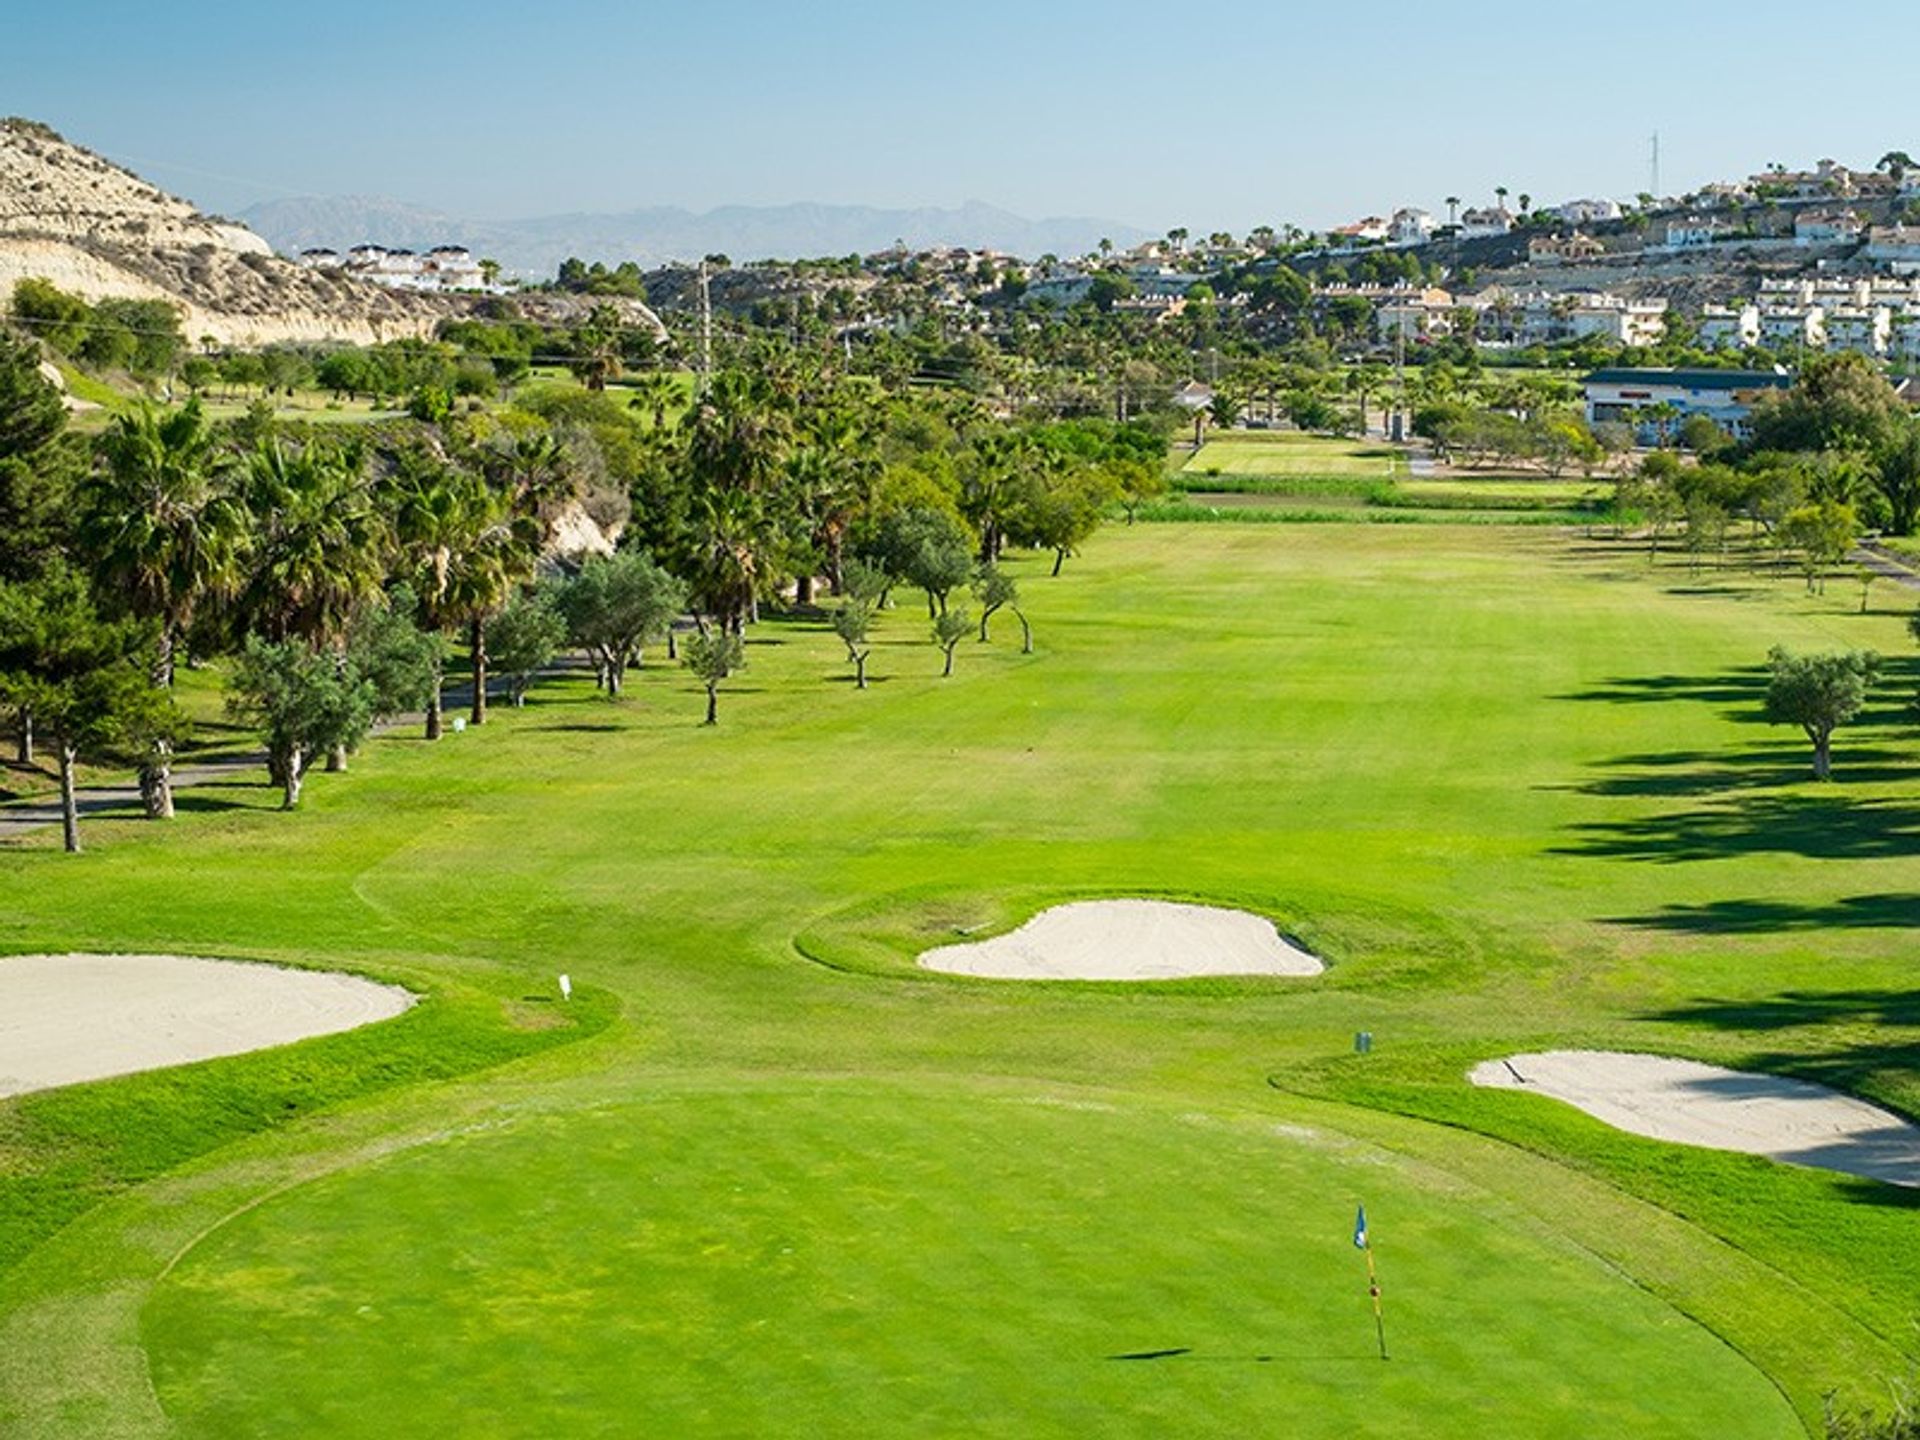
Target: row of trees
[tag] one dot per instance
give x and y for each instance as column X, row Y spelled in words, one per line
column 341, row 568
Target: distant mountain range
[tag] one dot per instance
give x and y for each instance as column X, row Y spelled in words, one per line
column 658, row 234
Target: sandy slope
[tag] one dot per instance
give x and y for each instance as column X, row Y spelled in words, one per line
column 1128, row 940
column 1694, row 1104
column 67, row 1018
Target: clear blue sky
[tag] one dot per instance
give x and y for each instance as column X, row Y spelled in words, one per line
column 1222, row 116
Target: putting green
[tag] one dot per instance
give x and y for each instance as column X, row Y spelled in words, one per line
column 858, row 1259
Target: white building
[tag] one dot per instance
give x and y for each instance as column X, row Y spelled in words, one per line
column 1563, row 249
column 1544, row 318
column 1588, row 212
column 1791, row 327
column 1411, row 226
column 1479, row 224
column 1726, row 397
column 1414, row 315
column 1730, row 327
column 1696, row 232
column 1868, row 330
column 445, row 267
column 1895, row 246
column 1367, row 231
column 1826, row 227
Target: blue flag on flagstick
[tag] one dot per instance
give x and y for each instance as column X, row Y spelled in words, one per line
column 1360, row 1229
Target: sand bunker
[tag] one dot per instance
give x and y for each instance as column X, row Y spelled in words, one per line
column 67, row 1018
column 1695, row 1104
column 1128, row 940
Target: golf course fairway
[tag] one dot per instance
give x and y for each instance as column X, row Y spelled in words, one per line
column 764, row 1174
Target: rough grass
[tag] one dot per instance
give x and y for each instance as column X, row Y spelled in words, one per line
column 1514, row 786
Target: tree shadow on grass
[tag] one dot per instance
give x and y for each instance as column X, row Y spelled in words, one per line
column 1861, row 1042
column 1757, row 767
column 1894, row 911
column 1831, row 826
column 1797, row 1009
column 1744, row 687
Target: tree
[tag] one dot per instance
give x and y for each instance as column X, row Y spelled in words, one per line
column 614, row 608
column 304, row 705
column 400, row 660
column 167, row 537
column 523, row 638
column 950, row 627
column 851, row 622
column 320, row 551
column 37, row 471
column 1137, row 481
column 925, row 547
column 1819, row 693
column 1898, row 464
column 78, row 673
column 468, row 550
column 1822, row 533
column 654, row 393
column 1838, row 401
column 596, row 348
column 995, row 590
column 713, row 657
column 1062, row 507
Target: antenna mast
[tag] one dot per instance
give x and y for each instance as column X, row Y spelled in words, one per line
column 706, row 330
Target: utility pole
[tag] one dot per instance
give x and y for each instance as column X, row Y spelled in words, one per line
column 706, row 331
column 1398, row 427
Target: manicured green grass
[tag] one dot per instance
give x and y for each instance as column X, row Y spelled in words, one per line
column 975, row 1264
column 1513, row 785
column 1290, row 453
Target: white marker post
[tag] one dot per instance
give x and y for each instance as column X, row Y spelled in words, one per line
column 566, row 987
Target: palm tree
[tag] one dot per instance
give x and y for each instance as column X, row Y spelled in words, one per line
column 469, row 550
column 168, row 537
column 1500, row 193
column 321, row 555
column 1453, row 209
column 596, row 347
column 654, row 393
column 322, row 546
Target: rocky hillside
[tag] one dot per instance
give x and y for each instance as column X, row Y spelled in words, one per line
column 95, row 230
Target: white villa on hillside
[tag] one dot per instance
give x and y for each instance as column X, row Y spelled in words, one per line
column 1480, row 224
column 1588, row 212
column 445, row 267
column 1695, row 232
column 1826, row 227
column 1411, row 226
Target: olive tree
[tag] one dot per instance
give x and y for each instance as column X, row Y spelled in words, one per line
column 614, row 607
column 950, row 627
column 1819, row 693
column 304, row 704
column 851, row 622
column 995, row 590
column 928, row 548
column 523, row 639
column 713, row 656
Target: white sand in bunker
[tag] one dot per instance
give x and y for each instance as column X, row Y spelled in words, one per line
column 1694, row 1104
column 67, row 1018
column 1128, row 940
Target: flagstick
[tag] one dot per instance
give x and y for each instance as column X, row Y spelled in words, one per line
column 1373, row 1289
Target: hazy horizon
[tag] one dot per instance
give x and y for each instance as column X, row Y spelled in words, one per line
column 1119, row 112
